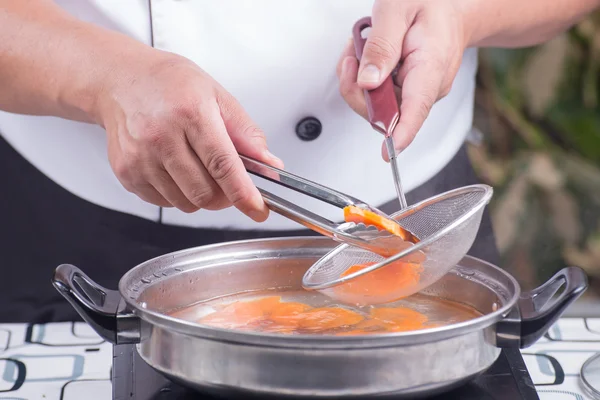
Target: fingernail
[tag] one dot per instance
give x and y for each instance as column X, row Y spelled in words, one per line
column 343, row 70
column 255, row 215
column 345, row 64
column 400, row 145
column 370, row 74
column 258, row 216
column 276, row 160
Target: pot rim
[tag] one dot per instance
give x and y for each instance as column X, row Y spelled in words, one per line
column 314, row 341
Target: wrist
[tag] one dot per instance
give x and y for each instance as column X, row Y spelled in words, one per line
column 78, row 98
column 118, row 67
column 84, row 72
column 472, row 20
column 133, row 67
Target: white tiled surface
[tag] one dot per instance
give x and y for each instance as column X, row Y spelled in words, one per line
column 54, row 356
column 568, row 344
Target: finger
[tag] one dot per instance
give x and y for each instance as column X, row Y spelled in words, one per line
column 420, row 90
column 245, row 134
column 248, row 139
column 349, row 89
column 190, row 176
column 146, row 158
column 383, row 48
column 212, row 143
column 164, row 184
column 347, row 52
column 125, row 175
column 149, row 194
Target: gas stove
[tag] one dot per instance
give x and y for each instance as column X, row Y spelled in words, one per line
column 133, row 379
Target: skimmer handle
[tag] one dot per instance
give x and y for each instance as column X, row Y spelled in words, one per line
column 382, row 104
column 382, row 107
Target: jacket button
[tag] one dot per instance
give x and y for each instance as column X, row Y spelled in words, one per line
column 309, row 128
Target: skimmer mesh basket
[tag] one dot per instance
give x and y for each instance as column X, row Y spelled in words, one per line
column 446, row 226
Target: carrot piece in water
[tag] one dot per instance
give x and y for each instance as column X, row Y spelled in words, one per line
column 386, row 279
column 326, row 318
column 288, row 314
column 266, row 304
column 356, row 268
column 381, row 285
column 242, row 313
column 400, row 319
column 271, row 315
column 374, row 325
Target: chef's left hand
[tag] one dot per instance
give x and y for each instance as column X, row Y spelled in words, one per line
column 426, row 37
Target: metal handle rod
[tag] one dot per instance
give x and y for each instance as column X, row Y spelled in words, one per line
column 298, row 183
column 389, row 141
column 316, row 222
column 297, row 213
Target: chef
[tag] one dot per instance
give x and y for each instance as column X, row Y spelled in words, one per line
column 122, row 119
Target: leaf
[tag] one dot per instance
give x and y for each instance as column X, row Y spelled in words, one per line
column 544, row 173
column 508, row 212
column 543, row 74
column 578, row 127
column 564, row 215
column 587, row 258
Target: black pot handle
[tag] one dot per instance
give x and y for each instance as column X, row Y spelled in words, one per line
column 538, row 313
column 103, row 309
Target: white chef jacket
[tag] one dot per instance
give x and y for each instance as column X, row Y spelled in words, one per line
column 278, row 58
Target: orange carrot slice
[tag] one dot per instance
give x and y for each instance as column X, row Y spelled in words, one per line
column 288, row 314
column 400, row 319
column 242, row 313
column 383, row 285
column 398, row 314
column 325, row 318
column 369, row 218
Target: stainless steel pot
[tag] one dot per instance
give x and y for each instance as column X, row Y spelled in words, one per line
column 229, row 362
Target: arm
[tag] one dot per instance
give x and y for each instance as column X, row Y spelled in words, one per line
column 54, row 64
column 520, row 23
column 428, row 39
column 173, row 132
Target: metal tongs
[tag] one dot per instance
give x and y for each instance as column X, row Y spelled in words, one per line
column 357, row 234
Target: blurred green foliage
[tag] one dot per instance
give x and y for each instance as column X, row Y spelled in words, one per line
column 538, row 110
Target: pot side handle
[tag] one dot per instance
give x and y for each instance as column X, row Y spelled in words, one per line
column 103, row 309
column 539, row 313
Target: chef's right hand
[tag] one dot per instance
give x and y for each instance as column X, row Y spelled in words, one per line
column 174, row 135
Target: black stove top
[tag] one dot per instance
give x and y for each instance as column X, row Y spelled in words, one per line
column 133, row 379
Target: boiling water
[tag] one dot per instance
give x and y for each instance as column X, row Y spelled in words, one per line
column 304, row 312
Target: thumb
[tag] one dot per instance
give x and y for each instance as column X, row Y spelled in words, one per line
column 382, row 50
column 245, row 134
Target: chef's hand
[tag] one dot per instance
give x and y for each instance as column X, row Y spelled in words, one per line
column 424, row 37
column 174, row 135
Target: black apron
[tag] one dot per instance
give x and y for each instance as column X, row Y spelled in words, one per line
column 44, row 225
